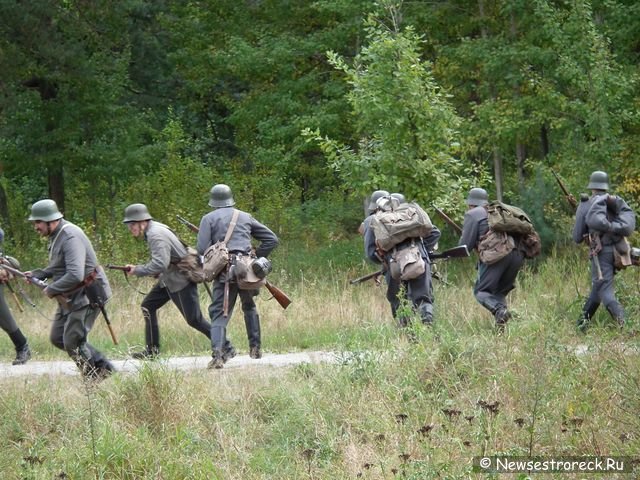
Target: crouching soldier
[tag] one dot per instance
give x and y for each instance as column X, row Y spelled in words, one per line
column 166, row 251
column 78, row 283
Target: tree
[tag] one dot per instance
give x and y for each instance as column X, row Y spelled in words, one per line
column 406, row 125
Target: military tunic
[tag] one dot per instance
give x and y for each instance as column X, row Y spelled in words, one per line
column 213, row 228
column 166, row 250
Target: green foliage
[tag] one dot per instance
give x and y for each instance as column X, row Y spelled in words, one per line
column 406, row 126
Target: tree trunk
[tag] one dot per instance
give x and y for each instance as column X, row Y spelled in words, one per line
column 4, row 207
column 544, row 140
column 521, row 156
column 56, row 185
column 497, row 156
column 497, row 172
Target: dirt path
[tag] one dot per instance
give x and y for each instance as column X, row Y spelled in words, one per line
column 178, row 363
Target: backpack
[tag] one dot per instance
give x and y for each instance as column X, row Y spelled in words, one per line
column 216, row 257
column 394, row 226
column 508, row 219
column 494, row 246
column 530, row 244
column 191, row 266
column 407, row 263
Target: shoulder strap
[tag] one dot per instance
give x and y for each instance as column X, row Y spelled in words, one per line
column 56, row 239
column 232, row 225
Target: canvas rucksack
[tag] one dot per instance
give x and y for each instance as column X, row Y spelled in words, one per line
column 513, row 222
column 494, row 246
column 394, row 226
column 508, row 219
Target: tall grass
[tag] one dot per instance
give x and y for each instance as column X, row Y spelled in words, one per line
column 416, row 406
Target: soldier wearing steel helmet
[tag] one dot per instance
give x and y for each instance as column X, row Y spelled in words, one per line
column 419, row 291
column 7, row 322
column 213, row 228
column 166, row 250
column 73, row 267
column 494, row 281
column 371, row 208
column 604, row 220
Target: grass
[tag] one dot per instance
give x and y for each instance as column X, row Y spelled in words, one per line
column 390, row 408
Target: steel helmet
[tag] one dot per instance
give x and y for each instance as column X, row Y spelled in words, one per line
column 45, row 210
column 598, row 181
column 136, row 212
column 375, row 196
column 477, row 197
column 400, row 197
column 221, row 196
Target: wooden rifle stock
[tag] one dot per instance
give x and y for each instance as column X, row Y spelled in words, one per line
column 448, row 220
column 281, row 297
column 122, row 268
column 188, row 224
column 366, row 277
column 108, row 322
column 570, row 198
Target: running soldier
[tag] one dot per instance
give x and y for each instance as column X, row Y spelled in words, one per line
column 494, row 281
column 603, row 220
column 166, row 251
column 79, row 284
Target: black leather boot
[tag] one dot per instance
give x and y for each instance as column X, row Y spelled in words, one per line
column 23, row 354
column 149, row 353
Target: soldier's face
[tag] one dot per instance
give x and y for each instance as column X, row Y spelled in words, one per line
column 41, row 227
column 135, row 228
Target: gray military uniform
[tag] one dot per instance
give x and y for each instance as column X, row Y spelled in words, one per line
column 592, row 217
column 494, row 281
column 213, row 228
column 166, row 250
column 419, row 290
column 71, row 260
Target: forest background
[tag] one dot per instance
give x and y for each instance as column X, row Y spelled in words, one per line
column 304, row 108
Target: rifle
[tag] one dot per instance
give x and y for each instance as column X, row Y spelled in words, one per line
column 366, row 277
column 570, row 198
column 61, row 299
column 447, row 219
column 190, row 226
column 281, row 297
column 460, row 251
column 595, row 246
column 122, row 268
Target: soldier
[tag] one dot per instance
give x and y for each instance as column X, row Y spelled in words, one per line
column 418, row 290
column 494, row 281
column 213, row 228
column 79, row 284
column 7, row 322
column 603, row 220
column 166, row 250
column 371, row 209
